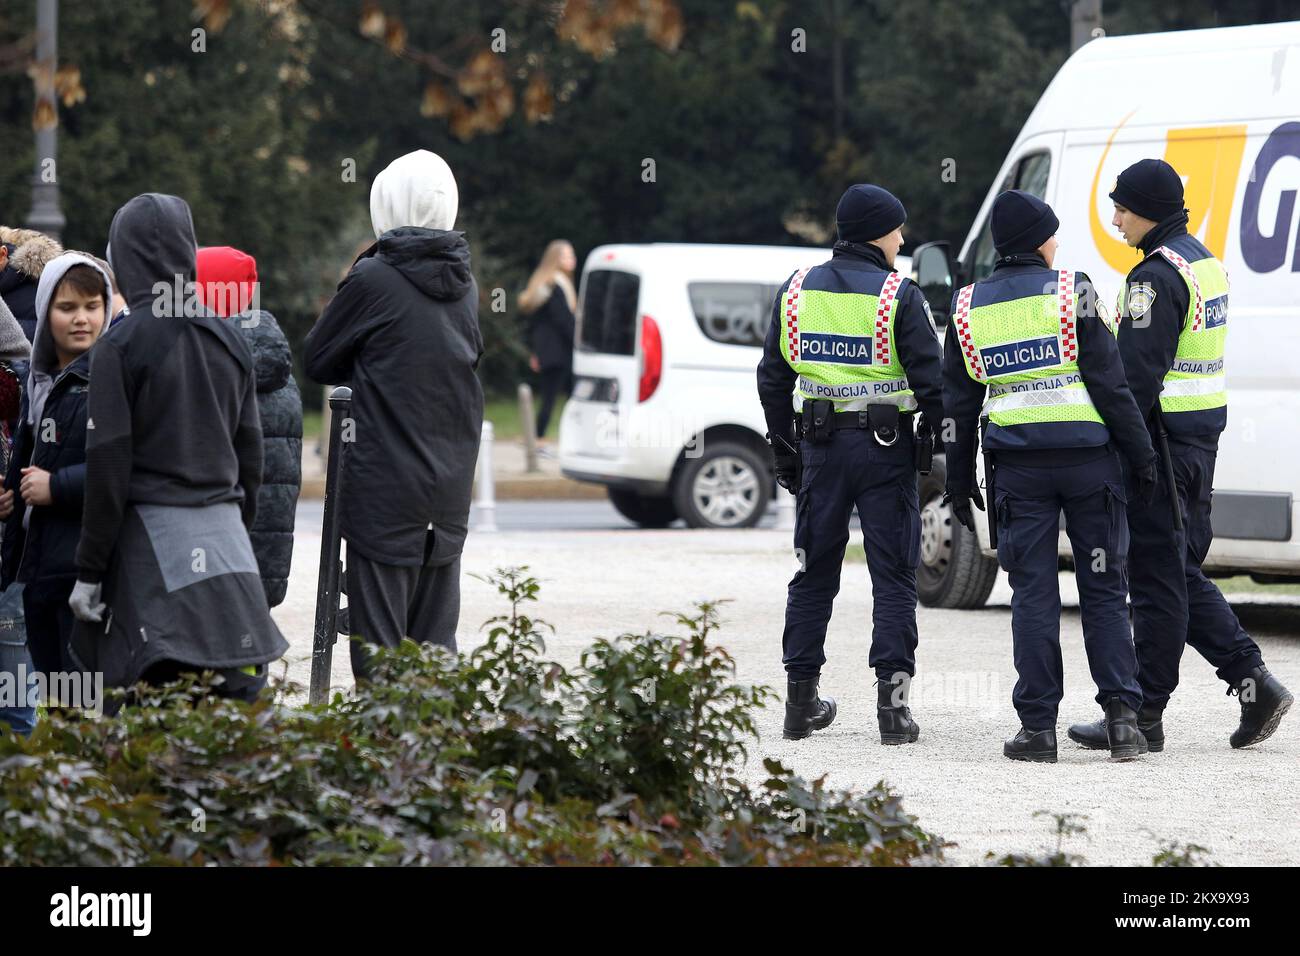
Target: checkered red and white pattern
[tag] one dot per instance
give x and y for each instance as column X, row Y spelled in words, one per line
column 1065, row 292
column 884, row 306
column 1185, row 267
column 961, row 322
column 792, row 311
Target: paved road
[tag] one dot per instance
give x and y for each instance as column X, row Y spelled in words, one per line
column 584, row 515
column 1242, row 805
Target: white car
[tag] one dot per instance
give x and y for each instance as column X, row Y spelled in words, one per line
column 1229, row 122
column 664, row 410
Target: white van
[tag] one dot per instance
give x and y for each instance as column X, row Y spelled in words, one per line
column 664, row 410
column 1222, row 107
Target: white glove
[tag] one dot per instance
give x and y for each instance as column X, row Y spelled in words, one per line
column 85, row 602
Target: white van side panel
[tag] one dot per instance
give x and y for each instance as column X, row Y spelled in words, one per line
column 703, row 383
column 1231, row 126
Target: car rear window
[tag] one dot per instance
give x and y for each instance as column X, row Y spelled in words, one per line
column 733, row 313
column 608, row 311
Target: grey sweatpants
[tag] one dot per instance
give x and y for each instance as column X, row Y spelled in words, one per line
column 387, row 602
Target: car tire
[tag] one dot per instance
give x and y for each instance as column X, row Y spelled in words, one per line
column 953, row 572
column 642, row 510
column 728, row 486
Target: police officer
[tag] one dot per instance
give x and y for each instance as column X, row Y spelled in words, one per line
column 854, row 344
column 1173, row 324
column 1060, row 425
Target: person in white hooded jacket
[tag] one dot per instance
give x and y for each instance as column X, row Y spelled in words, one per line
column 403, row 332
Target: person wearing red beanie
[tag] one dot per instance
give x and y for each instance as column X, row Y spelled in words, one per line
column 227, row 280
column 227, row 285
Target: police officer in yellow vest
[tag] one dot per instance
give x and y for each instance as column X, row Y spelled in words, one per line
column 853, row 354
column 1029, row 344
column 1172, row 331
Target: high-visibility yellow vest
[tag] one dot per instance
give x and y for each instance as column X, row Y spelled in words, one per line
column 841, row 343
column 1024, row 347
column 1196, row 380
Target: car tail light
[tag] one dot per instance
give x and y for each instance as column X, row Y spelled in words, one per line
column 652, row 358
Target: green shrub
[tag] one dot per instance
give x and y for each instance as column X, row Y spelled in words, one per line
column 1066, row 825
column 497, row 756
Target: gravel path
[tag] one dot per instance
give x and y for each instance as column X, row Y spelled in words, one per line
column 1244, row 806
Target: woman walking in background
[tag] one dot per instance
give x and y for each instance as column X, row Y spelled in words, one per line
column 549, row 301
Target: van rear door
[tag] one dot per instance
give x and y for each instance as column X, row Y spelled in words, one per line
column 606, row 363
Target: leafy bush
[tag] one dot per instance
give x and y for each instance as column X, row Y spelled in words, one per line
column 498, row 756
column 1066, row 825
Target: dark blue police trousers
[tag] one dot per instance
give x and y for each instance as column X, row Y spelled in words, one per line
column 1174, row 603
column 1029, row 502
column 853, row 468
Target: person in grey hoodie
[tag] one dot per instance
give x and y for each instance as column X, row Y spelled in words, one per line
column 166, row 577
column 403, row 332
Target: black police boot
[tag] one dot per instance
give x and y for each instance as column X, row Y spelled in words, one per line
column 893, row 715
column 1151, row 725
column 1093, row 736
column 1264, row 702
column 804, row 710
column 1036, row 745
column 1122, row 732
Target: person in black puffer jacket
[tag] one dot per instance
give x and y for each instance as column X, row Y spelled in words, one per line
column 227, row 284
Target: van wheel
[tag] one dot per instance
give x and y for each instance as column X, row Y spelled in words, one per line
column 643, row 510
column 953, row 572
column 726, row 487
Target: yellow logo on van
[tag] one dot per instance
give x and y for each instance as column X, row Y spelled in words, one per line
column 1209, row 160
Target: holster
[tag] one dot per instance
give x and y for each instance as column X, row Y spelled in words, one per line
column 818, row 420
column 884, row 421
column 923, row 449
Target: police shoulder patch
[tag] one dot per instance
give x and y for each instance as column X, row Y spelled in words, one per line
column 928, row 314
column 1103, row 313
column 1140, row 299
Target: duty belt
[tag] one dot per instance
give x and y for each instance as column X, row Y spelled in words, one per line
column 854, row 420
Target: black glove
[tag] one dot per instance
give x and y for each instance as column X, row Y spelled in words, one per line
column 961, row 512
column 787, row 471
column 1146, row 477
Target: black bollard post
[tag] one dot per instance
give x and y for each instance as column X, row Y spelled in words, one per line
column 327, row 584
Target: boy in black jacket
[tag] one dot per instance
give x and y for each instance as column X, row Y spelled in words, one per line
column 167, row 582
column 43, row 490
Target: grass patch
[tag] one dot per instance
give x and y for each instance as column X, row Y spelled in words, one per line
column 503, row 413
column 311, row 426
column 1244, row 584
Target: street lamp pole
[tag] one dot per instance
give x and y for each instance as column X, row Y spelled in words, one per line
column 45, row 214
